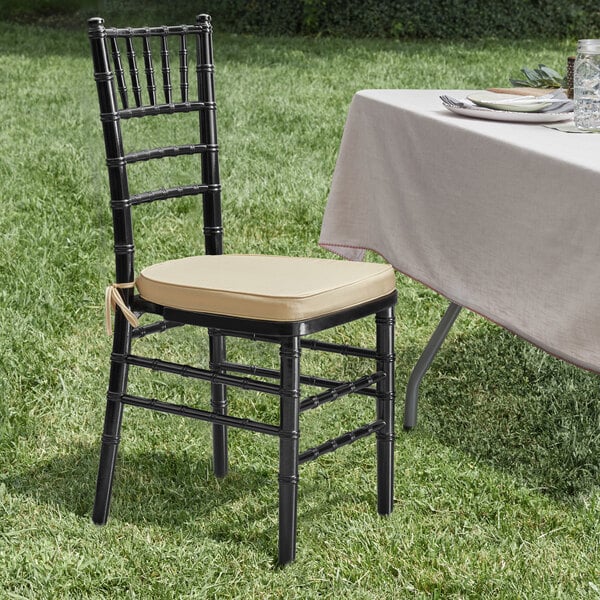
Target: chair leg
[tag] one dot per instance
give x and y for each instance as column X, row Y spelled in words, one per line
column 288, row 447
column 112, row 423
column 385, row 411
column 219, row 406
column 108, row 458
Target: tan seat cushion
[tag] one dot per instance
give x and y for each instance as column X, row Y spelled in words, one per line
column 275, row 288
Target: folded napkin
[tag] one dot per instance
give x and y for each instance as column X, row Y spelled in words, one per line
column 560, row 102
column 569, row 127
column 520, row 91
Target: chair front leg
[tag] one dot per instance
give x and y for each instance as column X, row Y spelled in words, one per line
column 117, row 386
column 385, row 411
column 219, row 405
column 288, row 447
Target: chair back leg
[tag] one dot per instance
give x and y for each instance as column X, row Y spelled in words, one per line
column 288, row 447
column 385, row 411
column 219, row 405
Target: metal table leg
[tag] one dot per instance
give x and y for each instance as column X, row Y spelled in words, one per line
column 424, row 362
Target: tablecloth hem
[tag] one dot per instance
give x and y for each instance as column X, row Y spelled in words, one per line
column 333, row 247
column 511, row 329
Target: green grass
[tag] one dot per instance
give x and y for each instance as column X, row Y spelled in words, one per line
column 497, row 490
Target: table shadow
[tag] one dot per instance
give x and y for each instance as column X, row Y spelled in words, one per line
column 514, row 407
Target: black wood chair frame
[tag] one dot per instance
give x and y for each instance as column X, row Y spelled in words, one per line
column 116, row 106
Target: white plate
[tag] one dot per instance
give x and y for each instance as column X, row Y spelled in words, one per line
column 508, row 102
column 479, row 112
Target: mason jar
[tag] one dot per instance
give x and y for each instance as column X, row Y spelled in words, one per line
column 586, row 85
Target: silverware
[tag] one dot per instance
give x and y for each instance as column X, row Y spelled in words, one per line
column 449, row 101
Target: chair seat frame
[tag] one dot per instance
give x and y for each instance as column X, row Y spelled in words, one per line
column 221, row 374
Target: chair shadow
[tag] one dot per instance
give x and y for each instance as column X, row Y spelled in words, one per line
column 524, row 411
column 174, row 490
column 170, row 490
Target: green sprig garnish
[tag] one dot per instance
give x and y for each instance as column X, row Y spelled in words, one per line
column 542, row 77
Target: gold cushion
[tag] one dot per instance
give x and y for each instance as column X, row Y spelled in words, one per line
column 274, row 288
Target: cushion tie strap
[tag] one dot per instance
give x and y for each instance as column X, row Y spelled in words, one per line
column 112, row 299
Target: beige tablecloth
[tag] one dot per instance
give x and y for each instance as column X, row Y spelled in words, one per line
column 501, row 218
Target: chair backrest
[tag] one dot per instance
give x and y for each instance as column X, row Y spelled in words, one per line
column 166, row 53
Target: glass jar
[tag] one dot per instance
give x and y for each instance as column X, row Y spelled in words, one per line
column 586, row 85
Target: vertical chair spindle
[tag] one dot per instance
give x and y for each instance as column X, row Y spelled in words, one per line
column 183, row 69
column 133, row 72
column 149, row 67
column 119, row 72
column 166, row 69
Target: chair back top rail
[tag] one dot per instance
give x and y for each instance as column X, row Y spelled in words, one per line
column 129, row 34
column 160, row 31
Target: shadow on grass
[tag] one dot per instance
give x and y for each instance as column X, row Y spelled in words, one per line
column 165, row 488
column 177, row 491
column 512, row 406
column 168, row 490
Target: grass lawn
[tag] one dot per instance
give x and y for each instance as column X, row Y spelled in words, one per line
column 497, row 492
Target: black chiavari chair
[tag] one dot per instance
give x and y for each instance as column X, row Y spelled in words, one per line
column 272, row 299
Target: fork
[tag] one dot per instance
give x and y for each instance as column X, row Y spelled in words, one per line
column 448, row 100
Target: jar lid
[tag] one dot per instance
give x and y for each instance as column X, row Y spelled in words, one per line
column 588, row 46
